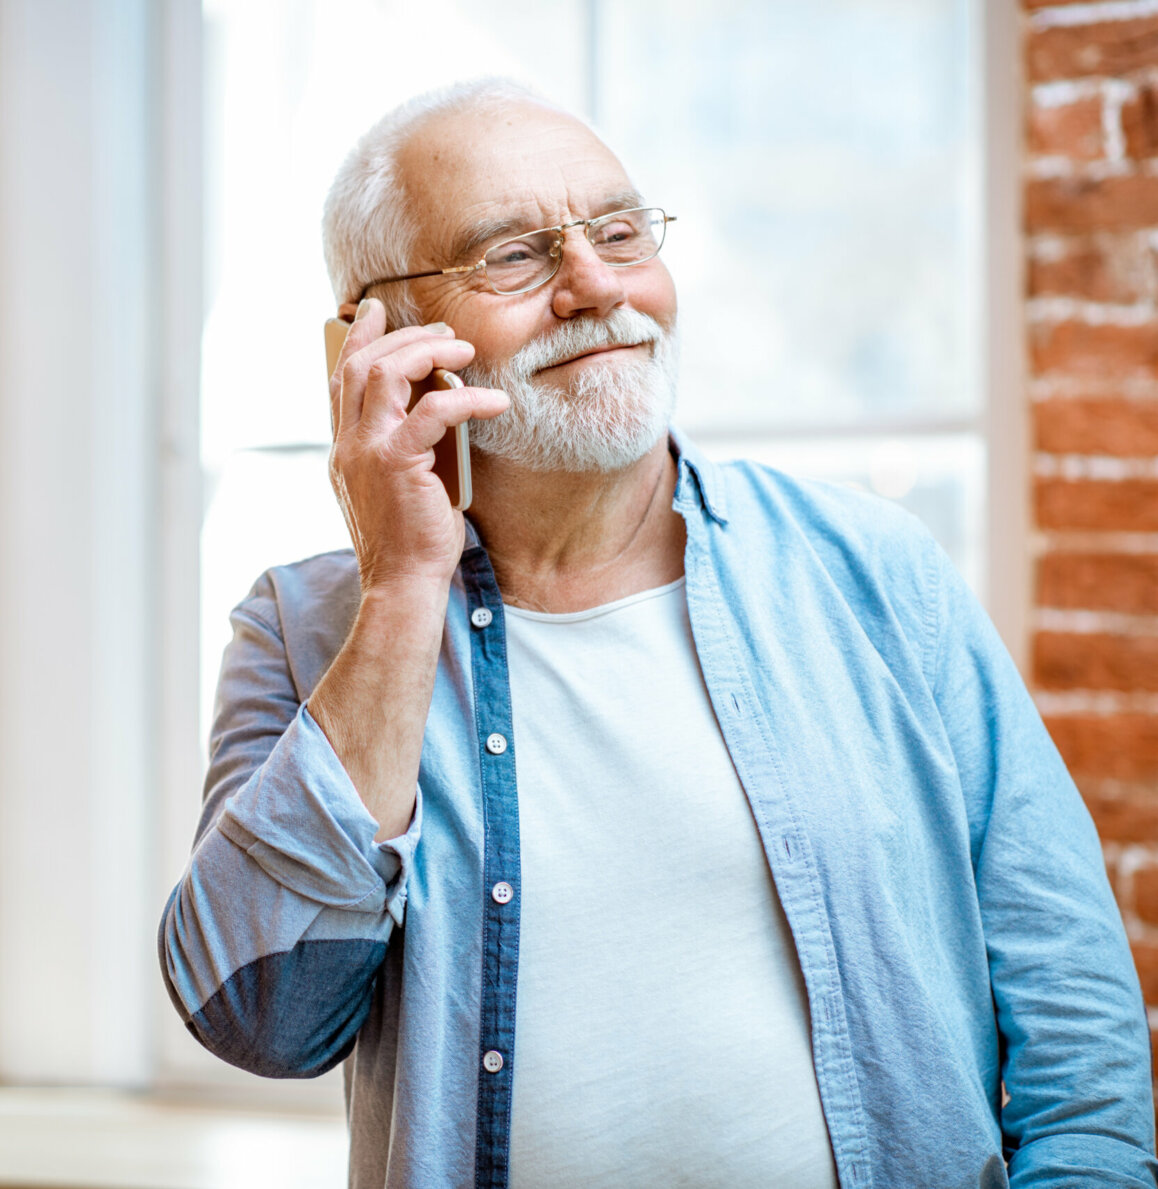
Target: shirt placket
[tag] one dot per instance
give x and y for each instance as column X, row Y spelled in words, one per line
column 501, row 869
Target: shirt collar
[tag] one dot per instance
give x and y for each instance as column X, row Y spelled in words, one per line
column 700, row 481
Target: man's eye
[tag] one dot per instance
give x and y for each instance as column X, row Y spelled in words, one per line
column 518, row 252
column 615, row 233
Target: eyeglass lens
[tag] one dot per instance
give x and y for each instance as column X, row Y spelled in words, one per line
column 621, row 238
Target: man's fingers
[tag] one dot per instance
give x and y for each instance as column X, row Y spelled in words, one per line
column 387, row 389
column 369, row 323
column 440, row 410
column 365, row 344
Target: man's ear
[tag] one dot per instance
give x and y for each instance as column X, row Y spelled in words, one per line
column 347, row 310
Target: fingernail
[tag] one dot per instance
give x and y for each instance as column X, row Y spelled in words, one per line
column 363, row 308
column 437, row 327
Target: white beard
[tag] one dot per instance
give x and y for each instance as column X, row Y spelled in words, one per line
column 608, row 417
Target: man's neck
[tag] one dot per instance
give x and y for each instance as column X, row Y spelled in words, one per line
column 561, row 541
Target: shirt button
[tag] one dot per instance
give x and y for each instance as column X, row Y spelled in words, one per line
column 502, row 892
column 481, row 617
column 492, row 1061
column 496, row 744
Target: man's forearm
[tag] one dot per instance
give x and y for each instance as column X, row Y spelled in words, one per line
column 373, row 701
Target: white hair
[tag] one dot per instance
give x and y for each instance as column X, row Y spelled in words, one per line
column 368, row 228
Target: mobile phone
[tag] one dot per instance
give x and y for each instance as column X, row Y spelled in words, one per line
column 452, row 450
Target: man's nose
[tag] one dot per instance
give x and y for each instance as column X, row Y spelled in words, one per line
column 585, row 284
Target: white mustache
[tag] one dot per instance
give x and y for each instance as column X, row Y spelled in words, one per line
column 621, row 328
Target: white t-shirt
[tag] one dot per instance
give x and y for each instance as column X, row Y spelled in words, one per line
column 662, row 1027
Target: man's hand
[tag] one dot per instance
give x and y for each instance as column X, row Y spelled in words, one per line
column 373, row 700
column 400, row 518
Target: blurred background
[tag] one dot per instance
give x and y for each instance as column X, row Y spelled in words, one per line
column 926, row 231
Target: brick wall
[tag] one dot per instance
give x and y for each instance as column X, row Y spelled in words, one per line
column 1091, row 220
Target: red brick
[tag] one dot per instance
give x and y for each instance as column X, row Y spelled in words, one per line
column 1068, row 129
column 1126, row 817
column 1113, row 269
column 1146, row 961
column 1083, row 204
column 1083, row 349
column 1112, row 426
column 1104, row 48
column 1114, row 746
column 1125, row 582
column 1095, row 660
column 1125, row 505
column 1140, row 123
column 1145, row 897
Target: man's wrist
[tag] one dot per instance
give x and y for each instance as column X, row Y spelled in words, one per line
column 387, row 594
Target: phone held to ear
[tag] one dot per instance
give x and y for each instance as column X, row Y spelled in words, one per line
column 452, row 450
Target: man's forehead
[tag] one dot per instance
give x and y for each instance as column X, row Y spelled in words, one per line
column 501, row 219
column 478, row 173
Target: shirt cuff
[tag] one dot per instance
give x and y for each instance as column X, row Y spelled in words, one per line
column 1080, row 1158
column 301, row 820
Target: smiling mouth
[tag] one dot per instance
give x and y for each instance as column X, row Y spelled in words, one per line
column 597, row 351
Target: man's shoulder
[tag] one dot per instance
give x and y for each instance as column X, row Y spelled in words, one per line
column 754, row 497
column 822, row 516
column 303, row 610
column 325, row 585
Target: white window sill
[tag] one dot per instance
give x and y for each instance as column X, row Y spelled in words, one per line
column 92, row 1139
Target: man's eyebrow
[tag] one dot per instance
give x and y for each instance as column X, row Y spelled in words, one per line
column 624, row 200
column 468, row 247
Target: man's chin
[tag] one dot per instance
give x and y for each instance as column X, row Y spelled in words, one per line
column 576, row 430
column 542, row 453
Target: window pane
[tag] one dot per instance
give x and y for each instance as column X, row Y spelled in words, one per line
column 819, row 157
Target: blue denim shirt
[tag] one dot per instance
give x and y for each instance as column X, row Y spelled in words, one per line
column 941, row 877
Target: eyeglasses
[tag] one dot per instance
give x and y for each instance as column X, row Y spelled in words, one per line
column 620, row 239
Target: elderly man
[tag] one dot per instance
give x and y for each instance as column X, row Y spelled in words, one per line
column 661, row 823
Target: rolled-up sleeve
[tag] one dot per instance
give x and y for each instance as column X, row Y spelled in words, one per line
column 272, row 939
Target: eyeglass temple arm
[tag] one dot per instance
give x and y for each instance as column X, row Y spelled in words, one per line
column 414, row 276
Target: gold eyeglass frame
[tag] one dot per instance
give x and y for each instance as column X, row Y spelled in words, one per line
column 556, row 252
